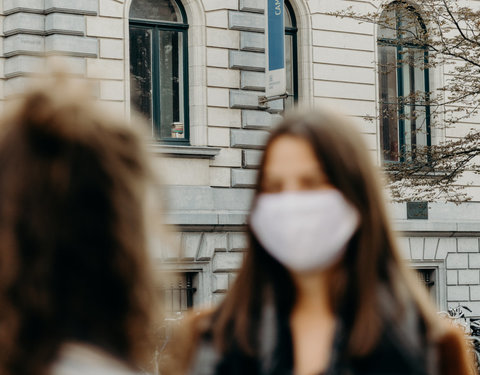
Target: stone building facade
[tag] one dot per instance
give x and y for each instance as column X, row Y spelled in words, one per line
column 218, row 75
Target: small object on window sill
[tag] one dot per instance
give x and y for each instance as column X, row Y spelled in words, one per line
column 177, row 130
column 177, row 151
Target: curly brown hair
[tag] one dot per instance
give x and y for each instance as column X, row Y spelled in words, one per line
column 73, row 265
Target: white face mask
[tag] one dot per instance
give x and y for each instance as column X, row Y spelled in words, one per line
column 305, row 230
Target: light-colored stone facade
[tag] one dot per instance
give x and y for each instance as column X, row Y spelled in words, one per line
column 210, row 182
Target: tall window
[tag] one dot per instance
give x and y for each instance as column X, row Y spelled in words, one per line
column 291, row 63
column 403, row 83
column 159, row 67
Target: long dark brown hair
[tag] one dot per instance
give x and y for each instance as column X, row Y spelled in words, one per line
column 73, row 265
column 371, row 259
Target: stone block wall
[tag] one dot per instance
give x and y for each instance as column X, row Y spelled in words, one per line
column 89, row 34
column 212, row 181
column 235, row 81
column 456, row 261
column 33, row 28
column 214, row 256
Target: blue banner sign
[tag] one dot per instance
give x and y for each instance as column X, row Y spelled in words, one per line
column 275, row 47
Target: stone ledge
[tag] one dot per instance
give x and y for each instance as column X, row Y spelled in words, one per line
column 22, row 65
column 28, row 6
column 205, row 199
column 71, row 45
column 258, row 119
column 61, row 23
column 84, row 7
column 242, row 178
column 227, row 262
column 255, row 139
column 209, row 220
column 24, row 23
column 252, row 81
column 251, row 159
column 87, row 7
column 23, row 44
column 246, row 21
column 243, row 99
column 252, row 42
column 253, row 61
column 252, row 6
column 439, row 228
column 197, row 152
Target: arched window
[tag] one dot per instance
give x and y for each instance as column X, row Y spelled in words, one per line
column 291, row 59
column 403, row 83
column 159, row 67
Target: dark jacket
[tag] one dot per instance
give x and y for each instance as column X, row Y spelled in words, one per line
column 402, row 349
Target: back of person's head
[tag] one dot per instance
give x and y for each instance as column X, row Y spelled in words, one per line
column 73, row 265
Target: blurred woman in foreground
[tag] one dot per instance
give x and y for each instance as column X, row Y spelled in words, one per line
column 75, row 291
column 322, row 289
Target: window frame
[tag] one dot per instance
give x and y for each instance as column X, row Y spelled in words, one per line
column 293, row 32
column 156, row 27
column 400, row 102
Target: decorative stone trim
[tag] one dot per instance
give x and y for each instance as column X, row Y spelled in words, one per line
column 253, row 42
column 258, row 119
column 71, row 45
column 62, row 23
column 252, row 81
column 251, row 158
column 246, row 178
column 23, row 22
column 247, row 61
column 255, row 139
column 244, row 21
column 85, row 7
column 252, row 6
column 31, row 6
column 23, row 44
column 197, row 152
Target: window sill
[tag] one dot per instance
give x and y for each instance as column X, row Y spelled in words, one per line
column 195, row 152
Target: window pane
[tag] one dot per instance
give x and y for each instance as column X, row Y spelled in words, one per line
column 409, row 24
column 157, row 10
column 388, row 102
column 287, row 19
column 289, row 102
column 171, row 84
column 414, row 99
column 141, row 70
column 387, row 25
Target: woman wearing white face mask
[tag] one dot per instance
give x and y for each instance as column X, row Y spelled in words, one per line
column 322, row 289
